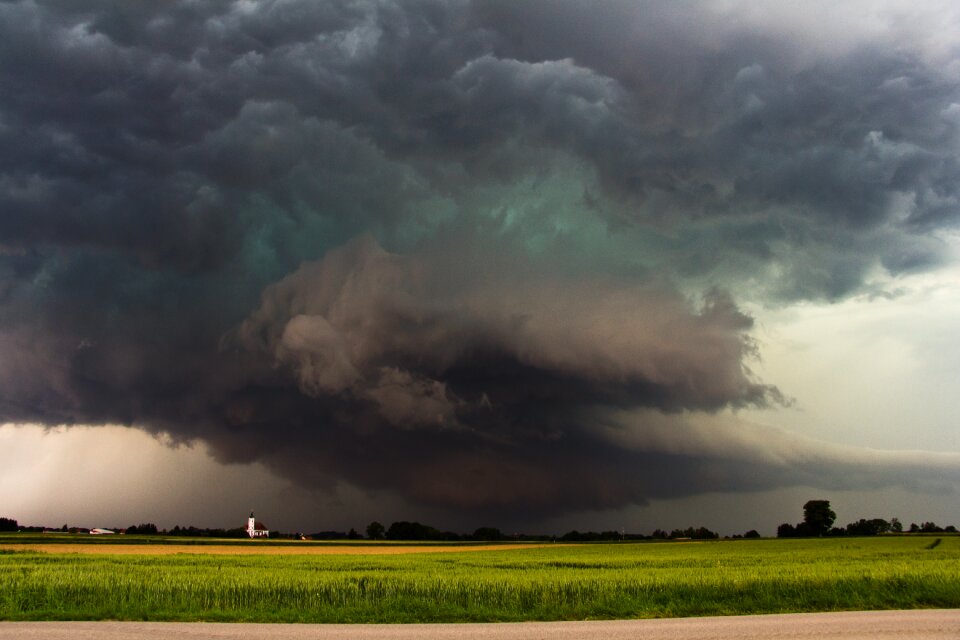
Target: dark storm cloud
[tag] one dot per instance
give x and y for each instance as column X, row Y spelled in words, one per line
column 345, row 324
column 174, row 178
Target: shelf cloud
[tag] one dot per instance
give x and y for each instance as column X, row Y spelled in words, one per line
column 488, row 256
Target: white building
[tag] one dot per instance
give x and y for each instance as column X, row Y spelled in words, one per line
column 256, row 529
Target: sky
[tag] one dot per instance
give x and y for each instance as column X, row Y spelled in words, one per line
column 535, row 265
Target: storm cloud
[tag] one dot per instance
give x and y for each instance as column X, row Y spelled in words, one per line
column 485, row 256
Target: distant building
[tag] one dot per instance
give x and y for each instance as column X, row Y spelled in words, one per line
column 256, row 529
column 100, row 532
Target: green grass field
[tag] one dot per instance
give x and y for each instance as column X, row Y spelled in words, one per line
column 561, row 583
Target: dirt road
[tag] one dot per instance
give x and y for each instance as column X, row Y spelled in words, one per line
column 859, row 625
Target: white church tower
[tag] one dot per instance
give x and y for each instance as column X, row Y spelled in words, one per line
column 256, row 529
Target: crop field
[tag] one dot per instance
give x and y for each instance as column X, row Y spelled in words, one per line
column 486, row 583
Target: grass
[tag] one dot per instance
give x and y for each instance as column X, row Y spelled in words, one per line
column 563, row 583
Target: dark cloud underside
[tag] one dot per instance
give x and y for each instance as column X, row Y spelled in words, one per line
column 432, row 247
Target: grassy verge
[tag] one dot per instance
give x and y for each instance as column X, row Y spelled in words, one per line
column 585, row 582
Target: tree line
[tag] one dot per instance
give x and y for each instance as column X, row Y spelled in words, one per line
column 818, row 520
column 417, row 531
column 400, row 531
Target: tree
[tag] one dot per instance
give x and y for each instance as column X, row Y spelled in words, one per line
column 753, row 533
column 786, row 530
column 413, row 531
column 895, row 525
column 147, row 528
column 488, row 533
column 863, row 527
column 700, row 533
column 8, row 524
column 818, row 516
column 375, row 530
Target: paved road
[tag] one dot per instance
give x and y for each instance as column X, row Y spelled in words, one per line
column 943, row 624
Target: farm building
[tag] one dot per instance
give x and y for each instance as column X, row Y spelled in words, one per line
column 256, row 529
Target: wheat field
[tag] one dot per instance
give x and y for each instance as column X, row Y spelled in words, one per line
column 484, row 583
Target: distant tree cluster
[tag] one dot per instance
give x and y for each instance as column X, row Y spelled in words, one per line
column 404, row 530
column 818, row 520
column 700, row 533
column 31, row 529
column 590, row 536
column 931, row 527
column 353, row 534
column 415, row 531
column 397, row 531
column 863, row 527
column 753, row 533
column 192, row 531
column 488, row 534
column 818, row 517
column 147, row 529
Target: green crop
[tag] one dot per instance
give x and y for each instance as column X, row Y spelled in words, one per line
column 552, row 583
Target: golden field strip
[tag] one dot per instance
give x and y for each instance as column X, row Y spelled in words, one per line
column 254, row 548
column 204, row 580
